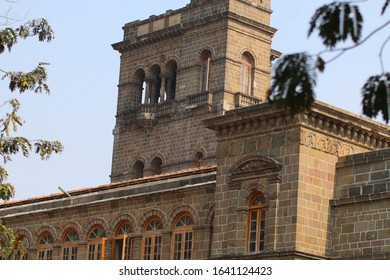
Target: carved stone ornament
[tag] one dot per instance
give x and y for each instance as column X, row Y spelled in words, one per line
column 253, row 167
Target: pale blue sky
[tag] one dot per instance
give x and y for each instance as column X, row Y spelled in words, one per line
column 84, row 71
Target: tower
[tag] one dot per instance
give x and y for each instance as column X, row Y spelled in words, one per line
column 179, row 68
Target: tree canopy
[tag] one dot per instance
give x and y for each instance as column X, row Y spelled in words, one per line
column 10, row 142
column 295, row 76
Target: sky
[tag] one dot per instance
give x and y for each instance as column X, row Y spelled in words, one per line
column 84, row 71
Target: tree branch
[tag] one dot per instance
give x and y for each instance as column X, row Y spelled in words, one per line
column 381, row 54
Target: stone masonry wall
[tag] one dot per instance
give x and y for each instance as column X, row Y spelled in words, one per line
column 361, row 207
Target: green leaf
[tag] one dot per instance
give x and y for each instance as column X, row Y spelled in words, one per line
column 337, row 22
column 376, row 96
column 293, row 82
column 46, row 148
column 320, row 64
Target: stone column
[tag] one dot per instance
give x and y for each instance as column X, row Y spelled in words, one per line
column 136, row 247
column 162, row 90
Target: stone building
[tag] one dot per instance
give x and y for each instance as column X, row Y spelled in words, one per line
column 204, row 168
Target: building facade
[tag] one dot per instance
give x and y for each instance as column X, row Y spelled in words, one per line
column 204, row 168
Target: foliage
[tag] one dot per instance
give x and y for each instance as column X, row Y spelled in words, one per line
column 11, row 144
column 10, row 246
column 295, row 76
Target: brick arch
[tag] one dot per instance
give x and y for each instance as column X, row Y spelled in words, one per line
column 252, row 190
column 206, row 48
column 251, row 53
column 159, row 155
column 49, row 229
column 133, row 77
column 63, row 230
column 169, row 59
column 183, row 208
column 96, row 221
column 25, row 232
column 201, row 150
column 210, row 215
column 125, row 217
column 154, row 212
column 139, row 158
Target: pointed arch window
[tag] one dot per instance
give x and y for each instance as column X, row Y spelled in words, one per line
column 246, row 75
column 152, row 239
column 69, row 245
column 96, row 243
column 256, row 223
column 45, row 246
column 182, row 237
column 205, row 74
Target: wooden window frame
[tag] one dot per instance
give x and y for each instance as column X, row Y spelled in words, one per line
column 152, row 241
column 45, row 249
column 96, row 245
column 70, row 245
column 205, row 71
column 256, row 224
column 246, row 74
column 182, row 238
column 125, row 238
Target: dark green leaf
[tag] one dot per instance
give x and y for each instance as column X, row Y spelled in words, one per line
column 293, row 82
column 376, row 96
column 337, row 22
column 320, row 64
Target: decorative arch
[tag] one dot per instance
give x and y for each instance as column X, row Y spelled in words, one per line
column 159, row 155
column 48, row 229
column 77, row 227
column 125, row 217
column 206, row 48
column 168, row 59
column 250, row 53
column 25, row 232
column 184, row 209
column 256, row 163
column 154, row 212
column 94, row 222
column 253, row 167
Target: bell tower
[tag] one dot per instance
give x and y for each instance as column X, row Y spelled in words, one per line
column 180, row 68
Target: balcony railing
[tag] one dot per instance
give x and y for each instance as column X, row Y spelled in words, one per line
column 151, row 111
column 243, row 100
column 199, row 99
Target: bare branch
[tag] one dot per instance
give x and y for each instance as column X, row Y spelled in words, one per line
column 381, row 54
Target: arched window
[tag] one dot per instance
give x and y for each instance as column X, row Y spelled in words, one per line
column 256, row 223
column 155, row 84
column 45, row 246
column 23, row 255
column 169, row 83
column 96, row 243
column 152, row 239
column 156, row 166
column 69, row 245
column 205, row 72
column 138, row 169
column 199, row 159
column 182, row 237
column 122, row 242
column 139, row 78
column 246, row 75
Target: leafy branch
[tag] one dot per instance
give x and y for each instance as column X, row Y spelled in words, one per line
column 295, row 76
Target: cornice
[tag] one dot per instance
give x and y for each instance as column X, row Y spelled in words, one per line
column 324, row 119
